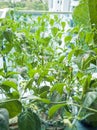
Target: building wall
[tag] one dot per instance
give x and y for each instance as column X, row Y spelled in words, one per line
column 65, row 5
column 62, row 5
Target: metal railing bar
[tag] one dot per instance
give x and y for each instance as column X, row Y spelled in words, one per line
column 43, row 12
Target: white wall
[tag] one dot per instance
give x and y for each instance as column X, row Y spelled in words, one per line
column 62, row 5
column 65, row 5
column 1, row 63
column 57, row 5
column 50, row 5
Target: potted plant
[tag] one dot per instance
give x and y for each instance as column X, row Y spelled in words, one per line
column 59, row 80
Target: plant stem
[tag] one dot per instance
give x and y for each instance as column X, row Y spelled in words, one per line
column 94, row 110
column 4, row 59
column 75, row 119
column 4, row 101
column 62, row 102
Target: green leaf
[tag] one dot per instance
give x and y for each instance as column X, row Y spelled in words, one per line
column 86, row 14
column 70, row 55
column 32, row 72
column 54, row 31
column 90, row 98
column 61, row 58
column 56, row 18
column 50, row 78
column 11, row 73
column 81, row 14
column 94, row 84
column 67, row 39
column 2, row 72
column 8, row 34
column 63, row 24
column 28, row 120
column 88, row 61
column 58, row 87
column 13, row 95
column 29, row 84
column 8, row 48
column 51, row 22
column 44, row 94
column 14, row 107
column 93, row 12
column 44, row 100
column 43, row 89
column 6, row 85
column 54, row 109
column 78, row 52
column 89, row 37
column 59, row 35
column 86, row 84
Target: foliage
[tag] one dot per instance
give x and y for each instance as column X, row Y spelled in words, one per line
column 56, row 65
column 37, row 67
column 35, row 5
column 29, row 120
column 26, row 5
column 79, row 11
column 38, row 5
column 17, row 5
column 88, row 90
column 88, row 17
column 4, row 4
column 11, row 106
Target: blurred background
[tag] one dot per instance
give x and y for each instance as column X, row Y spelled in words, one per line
column 48, row 5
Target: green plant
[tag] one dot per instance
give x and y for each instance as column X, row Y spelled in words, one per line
column 87, row 55
column 36, row 66
column 4, row 4
column 56, row 65
column 38, row 5
column 29, row 120
column 35, row 5
column 86, row 18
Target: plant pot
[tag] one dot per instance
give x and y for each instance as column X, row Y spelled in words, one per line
column 83, row 125
column 91, row 125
